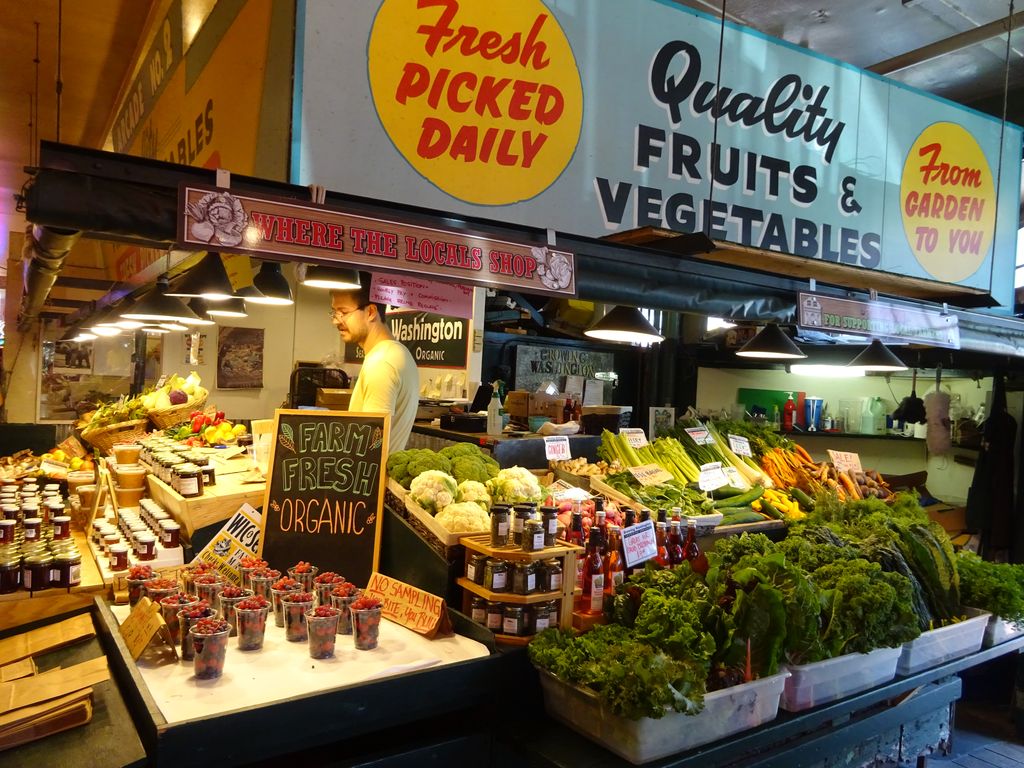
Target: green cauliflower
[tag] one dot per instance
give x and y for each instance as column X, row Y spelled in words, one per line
column 471, row 490
column 480, row 468
column 403, row 466
column 514, row 485
column 452, row 452
column 433, row 490
column 464, row 517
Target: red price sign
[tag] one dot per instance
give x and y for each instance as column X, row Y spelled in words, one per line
column 556, row 448
column 635, row 437
column 639, row 543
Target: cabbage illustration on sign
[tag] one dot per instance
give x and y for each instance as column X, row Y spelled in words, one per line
column 217, row 215
column 554, row 269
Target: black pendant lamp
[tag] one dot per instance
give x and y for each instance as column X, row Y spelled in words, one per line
column 877, row 357
column 158, row 307
column 233, row 307
column 272, row 285
column 624, row 324
column 207, row 280
column 105, row 323
column 201, row 308
column 332, row 278
column 771, row 343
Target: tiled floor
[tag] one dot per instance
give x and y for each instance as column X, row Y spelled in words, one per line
column 984, row 736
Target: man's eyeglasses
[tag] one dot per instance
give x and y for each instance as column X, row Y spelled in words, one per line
column 338, row 315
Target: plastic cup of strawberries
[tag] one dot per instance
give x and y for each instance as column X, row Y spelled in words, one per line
column 295, row 605
column 169, row 607
column 365, row 622
column 323, row 583
column 137, row 576
column 189, row 617
column 251, row 622
column 304, row 573
column 247, row 565
column 261, row 579
column 322, row 626
column 278, row 590
column 210, row 641
column 342, row 596
column 229, row 597
column 157, row 588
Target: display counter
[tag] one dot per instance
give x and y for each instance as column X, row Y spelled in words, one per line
column 217, row 503
column 522, row 449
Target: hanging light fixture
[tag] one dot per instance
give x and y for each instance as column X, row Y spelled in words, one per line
column 201, row 308
column 877, row 357
column 272, row 284
column 173, row 326
column 233, row 307
column 624, row 324
column 771, row 343
column 153, row 330
column 333, row 278
column 158, row 307
column 74, row 333
column 105, row 323
column 208, row 280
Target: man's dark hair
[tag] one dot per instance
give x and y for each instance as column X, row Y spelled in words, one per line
column 362, row 296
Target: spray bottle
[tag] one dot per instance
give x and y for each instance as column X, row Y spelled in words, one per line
column 494, row 425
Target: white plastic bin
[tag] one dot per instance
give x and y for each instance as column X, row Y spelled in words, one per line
column 824, row 681
column 937, row 646
column 726, row 712
column 999, row 630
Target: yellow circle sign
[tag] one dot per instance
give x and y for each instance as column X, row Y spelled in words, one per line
column 482, row 98
column 948, row 202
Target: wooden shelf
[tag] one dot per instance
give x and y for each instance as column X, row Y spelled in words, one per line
column 218, row 502
column 481, row 543
column 507, row 597
column 512, row 639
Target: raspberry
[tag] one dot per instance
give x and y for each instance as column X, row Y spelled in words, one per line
column 140, row 572
column 210, row 626
column 232, row 591
column 178, row 599
column 298, row 597
column 365, row 603
column 159, row 583
column 197, row 611
column 208, row 578
column 328, row 577
column 325, row 610
column 286, row 583
column 265, row 573
column 252, row 603
column 345, row 589
column 301, row 567
column 252, row 562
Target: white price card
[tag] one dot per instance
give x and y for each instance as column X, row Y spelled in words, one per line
column 556, row 448
column 635, row 437
column 844, row 461
column 712, row 476
column 639, row 543
column 700, row 435
column 650, row 474
column 739, row 445
column 561, row 490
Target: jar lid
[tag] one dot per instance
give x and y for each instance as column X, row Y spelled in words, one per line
column 33, row 521
column 68, row 557
column 169, row 525
column 62, row 519
column 119, row 547
column 145, row 536
column 38, row 559
column 7, row 523
column 10, row 560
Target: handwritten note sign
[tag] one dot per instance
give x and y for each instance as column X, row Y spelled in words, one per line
column 556, row 448
column 739, row 445
column 700, row 435
column 650, row 474
column 639, row 542
column 404, row 604
column 325, row 491
column 142, row 625
column 844, row 461
column 712, row 476
column 634, row 436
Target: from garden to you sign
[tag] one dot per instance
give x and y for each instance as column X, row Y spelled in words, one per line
column 325, row 491
column 212, row 218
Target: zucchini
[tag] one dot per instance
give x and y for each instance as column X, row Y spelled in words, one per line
column 768, row 509
column 727, row 491
column 802, row 499
column 741, row 515
column 741, row 500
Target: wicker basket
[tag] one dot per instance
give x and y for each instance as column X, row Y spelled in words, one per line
column 176, row 414
column 104, row 438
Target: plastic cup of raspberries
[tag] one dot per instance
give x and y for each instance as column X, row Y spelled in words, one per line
column 342, row 596
column 365, row 622
column 188, row 618
column 157, row 588
column 261, row 579
column 323, row 583
column 283, row 586
column 251, row 621
column 210, row 640
column 208, row 587
column 304, row 573
column 295, row 605
column 322, row 626
column 189, row 573
column 247, row 565
column 137, row 576
column 230, row 596
column 169, row 607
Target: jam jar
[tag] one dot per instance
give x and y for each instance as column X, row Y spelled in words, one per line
column 550, row 576
column 494, row 616
column 513, row 621
column 499, row 526
column 33, row 528
column 524, row 578
column 496, row 575
column 10, row 573
column 188, row 481
column 7, row 531
column 119, row 557
column 549, row 521
column 68, row 568
column 475, row 568
column 170, row 534
column 61, row 527
column 35, row 571
column 532, row 536
column 477, row 608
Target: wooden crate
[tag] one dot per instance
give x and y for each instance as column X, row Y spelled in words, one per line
column 216, row 504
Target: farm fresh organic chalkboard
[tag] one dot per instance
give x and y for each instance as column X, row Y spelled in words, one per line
column 325, row 492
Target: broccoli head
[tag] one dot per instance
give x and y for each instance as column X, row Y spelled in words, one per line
column 426, row 460
column 473, row 468
column 452, row 452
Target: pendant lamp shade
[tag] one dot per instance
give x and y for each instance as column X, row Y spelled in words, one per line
column 771, row 343
column 207, row 280
column 233, row 307
column 105, row 323
column 272, row 284
column 624, row 324
column 332, row 278
column 158, row 307
column 877, row 357
column 201, row 308
column 75, row 333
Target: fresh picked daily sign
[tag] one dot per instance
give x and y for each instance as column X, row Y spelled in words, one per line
column 324, row 491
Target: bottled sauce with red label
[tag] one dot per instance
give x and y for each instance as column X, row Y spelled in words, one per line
column 575, row 537
column 567, row 411
column 697, row 559
column 593, row 575
column 615, row 563
column 577, row 411
column 601, row 524
column 661, row 559
column 674, row 545
column 789, row 414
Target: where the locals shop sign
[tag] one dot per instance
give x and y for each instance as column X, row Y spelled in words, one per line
column 218, row 219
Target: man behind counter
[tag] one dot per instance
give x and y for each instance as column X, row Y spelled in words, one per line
column 388, row 380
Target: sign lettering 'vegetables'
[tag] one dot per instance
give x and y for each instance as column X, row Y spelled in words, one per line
column 324, row 491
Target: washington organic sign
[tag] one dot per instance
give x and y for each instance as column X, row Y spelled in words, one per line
column 218, row 218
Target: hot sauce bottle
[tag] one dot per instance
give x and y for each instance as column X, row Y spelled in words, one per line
column 593, row 575
column 691, row 552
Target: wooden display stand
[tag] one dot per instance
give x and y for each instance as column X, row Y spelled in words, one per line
column 217, row 504
column 563, row 551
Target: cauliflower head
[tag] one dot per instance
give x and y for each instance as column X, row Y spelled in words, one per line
column 464, row 517
column 514, row 485
column 471, row 490
column 433, row 490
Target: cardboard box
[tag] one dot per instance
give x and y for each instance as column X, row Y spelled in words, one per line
column 334, row 399
column 517, row 404
column 547, row 405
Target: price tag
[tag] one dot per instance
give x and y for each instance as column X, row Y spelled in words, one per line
column 635, row 437
column 712, row 476
column 735, row 479
column 639, row 543
column 700, row 435
column 556, row 448
column 739, row 445
column 561, row 490
column 844, row 461
column 650, row 474
column 142, row 624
